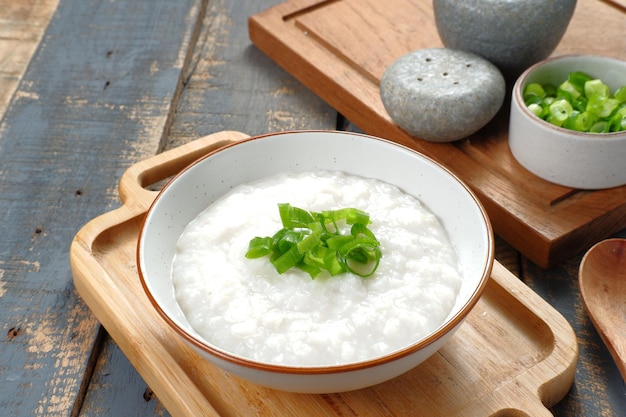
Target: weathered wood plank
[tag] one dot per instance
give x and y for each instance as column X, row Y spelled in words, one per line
column 95, row 98
column 233, row 86
column 229, row 85
column 598, row 386
column 105, row 399
column 22, row 24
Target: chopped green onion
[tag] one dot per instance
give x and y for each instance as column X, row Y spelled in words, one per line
column 314, row 242
column 361, row 230
column 580, row 103
column 547, row 100
column 336, row 242
column 550, row 90
column 620, row 94
column 559, row 111
column 534, row 90
column 294, row 216
column 530, row 100
column 618, row 120
column 599, row 127
column 259, row 246
column 596, row 87
column 579, row 121
column 361, row 255
column 536, row 109
column 287, row 260
column 601, row 106
column 578, row 79
column 334, row 264
column 569, row 90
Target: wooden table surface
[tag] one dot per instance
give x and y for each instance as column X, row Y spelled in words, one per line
column 89, row 87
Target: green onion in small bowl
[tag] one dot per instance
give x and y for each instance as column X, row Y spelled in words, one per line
column 568, row 121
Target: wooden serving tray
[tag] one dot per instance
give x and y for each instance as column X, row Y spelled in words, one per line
column 340, row 49
column 514, row 352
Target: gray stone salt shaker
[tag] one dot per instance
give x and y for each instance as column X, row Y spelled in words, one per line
column 441, row 94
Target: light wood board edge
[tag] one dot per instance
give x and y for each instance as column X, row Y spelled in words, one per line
column 557, row 369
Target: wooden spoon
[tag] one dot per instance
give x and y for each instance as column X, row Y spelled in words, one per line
column 602, row 278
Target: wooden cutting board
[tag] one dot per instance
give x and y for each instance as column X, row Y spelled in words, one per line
column 514, row 351
column 340, row 49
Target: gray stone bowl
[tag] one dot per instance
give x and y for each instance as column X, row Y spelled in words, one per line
column 512, row 34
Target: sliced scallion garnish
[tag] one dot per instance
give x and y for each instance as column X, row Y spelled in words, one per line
column 316, row 242
column 579, row 103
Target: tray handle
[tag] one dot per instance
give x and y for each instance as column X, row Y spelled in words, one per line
column 135, row 181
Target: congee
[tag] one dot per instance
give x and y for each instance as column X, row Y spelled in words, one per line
column 245, row 306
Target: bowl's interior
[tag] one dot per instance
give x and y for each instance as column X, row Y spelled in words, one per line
column 209, row 178
column 556, row 70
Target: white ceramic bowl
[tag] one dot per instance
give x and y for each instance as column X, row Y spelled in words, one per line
column 562, row 156
column 185, row 196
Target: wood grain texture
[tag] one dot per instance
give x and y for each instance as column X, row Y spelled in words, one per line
column 104, row 399
column 340, row 49
column 228, row 84
column 602, row 281
column 22, row 25
column 96, row 97
column 598, row 387
column 231, row 85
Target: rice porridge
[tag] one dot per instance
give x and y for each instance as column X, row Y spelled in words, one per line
column 244, row 306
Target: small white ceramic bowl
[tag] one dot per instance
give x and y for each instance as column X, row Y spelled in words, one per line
column 200, row 184
column 562, row 156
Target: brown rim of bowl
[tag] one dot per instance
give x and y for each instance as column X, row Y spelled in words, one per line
column 519, row 97
column 325, row 369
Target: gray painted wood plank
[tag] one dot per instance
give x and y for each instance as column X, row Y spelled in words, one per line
column 234, row 86
column 598, row 386
column 96, row 98
column 230, row 85
column 22, row 24
column 104, row 396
